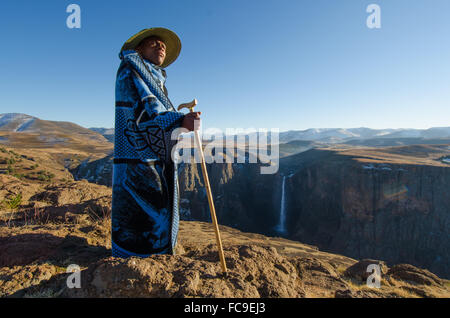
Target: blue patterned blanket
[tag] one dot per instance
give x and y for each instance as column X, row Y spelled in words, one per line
column 145, row 196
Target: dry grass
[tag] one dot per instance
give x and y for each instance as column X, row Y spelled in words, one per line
column 37, row 216
column 102, row 216
column 404, row 293
column 385, row 287
column 409, row 155
column 341, row 269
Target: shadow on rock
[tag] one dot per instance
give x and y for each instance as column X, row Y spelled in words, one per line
column 25, row 249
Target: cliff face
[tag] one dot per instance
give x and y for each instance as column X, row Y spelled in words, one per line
column 97, row 171
column 397, row 212
column 243, row 197
column 360, row 206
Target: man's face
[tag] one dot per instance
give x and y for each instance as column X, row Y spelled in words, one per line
column 152, row 49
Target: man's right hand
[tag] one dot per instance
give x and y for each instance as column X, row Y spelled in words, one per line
column 191, row 121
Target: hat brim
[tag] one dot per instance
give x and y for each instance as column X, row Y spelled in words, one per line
column 170, row 39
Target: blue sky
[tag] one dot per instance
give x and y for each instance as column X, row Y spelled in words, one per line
column 283, row 64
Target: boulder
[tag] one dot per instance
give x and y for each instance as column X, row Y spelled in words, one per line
column 414, row 275
column 359, row 270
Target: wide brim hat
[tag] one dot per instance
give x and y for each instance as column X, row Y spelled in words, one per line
column 172, row 41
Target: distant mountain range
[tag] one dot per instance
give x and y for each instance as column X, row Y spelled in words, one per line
column 334, row 135
column 108, row 133
column 345, row 135
column 15, row 122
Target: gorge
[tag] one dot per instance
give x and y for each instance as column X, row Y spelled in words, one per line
column 385, row 204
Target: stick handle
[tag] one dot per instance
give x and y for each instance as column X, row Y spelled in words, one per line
column 211, row 203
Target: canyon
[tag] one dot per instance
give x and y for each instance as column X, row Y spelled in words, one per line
column 371, row 197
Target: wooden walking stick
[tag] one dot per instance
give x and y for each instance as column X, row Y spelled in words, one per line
column 208, row 188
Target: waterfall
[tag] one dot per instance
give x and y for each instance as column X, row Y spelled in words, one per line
column 281, row 227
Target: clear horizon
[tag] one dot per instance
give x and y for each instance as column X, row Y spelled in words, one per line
column 295, row 66
column 260, row 127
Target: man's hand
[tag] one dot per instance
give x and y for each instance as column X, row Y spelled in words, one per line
column 190, row 119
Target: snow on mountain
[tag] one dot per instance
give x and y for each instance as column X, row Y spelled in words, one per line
column 15, row 121
column 344, row 134
column 437, row 132
column 49, row 131
column 405, row 133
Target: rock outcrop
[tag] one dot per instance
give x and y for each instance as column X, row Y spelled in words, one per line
column 391, row 211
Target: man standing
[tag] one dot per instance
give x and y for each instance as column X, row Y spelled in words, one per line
column 145, row 186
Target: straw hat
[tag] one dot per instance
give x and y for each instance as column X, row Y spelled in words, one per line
column 172, row 41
